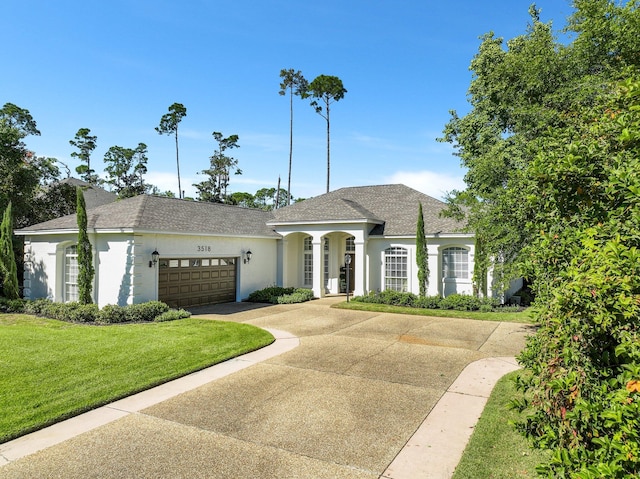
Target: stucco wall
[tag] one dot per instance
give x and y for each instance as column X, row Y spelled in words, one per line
column 437, row 286
column 123, row 275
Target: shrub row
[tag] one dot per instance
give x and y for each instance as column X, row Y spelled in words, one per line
column 90, row 313
column 280, row 295
column 459, row 302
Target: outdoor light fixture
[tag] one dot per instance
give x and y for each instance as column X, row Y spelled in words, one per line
column 154, row 258
column 247, row 256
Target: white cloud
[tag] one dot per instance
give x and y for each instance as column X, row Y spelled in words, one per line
column 169, row 182
column 429, row 182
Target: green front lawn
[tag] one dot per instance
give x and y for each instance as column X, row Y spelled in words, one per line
column 514, row 317
column 51, row 370
column 496, row 450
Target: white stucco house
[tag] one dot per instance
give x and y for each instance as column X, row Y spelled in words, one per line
column 209, row 253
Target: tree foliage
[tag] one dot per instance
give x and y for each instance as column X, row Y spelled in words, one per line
column 296, row 84
column 125, row 169
column 214, row 188
column 86, row 270
column 8, row 266
column 23, row 175
column 552, row 147
column 585, row 359
column 326, row 90
column 169, row 126
column 85, row 143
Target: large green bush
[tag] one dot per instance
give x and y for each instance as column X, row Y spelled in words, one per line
column 583, row 395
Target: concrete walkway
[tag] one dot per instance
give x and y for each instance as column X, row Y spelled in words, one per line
column 340, row 394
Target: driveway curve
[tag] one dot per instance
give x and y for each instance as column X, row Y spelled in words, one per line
column 345, row 403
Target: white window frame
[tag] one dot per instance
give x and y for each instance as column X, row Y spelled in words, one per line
column 396, row 269
column 455, row 263
column 307, row 261
column 70, row 290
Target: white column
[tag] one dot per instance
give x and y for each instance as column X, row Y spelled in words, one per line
column 284, row 264
column 318, row 270
column 360, row 270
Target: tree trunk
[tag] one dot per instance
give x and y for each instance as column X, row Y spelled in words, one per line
column 178, row 165
column 328, row 150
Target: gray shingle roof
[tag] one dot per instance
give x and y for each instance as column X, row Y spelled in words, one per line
column 391, row 210
column 169, row 215
column 395, row 206
column 93, row 195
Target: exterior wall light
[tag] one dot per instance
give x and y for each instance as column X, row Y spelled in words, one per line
column 247, row 256
column 154, row 258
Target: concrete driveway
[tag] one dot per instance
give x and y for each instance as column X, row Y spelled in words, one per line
column 343, row 404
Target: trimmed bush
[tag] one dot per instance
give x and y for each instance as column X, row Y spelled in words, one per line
column 429, row 302
column 270, row 294
column 172, row 315
column 300, row 295
column 280, row 295
column 112, row 314
column 459, row 302
column 36, row 307
column 82, row 313
column 143, row 312
column 11, row 305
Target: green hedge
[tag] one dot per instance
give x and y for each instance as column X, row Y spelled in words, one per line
column 109, row 314
column 459, row 302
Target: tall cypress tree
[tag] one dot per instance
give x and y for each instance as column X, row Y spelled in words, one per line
column 85, row 252
column 422, row 255
column 7, row 257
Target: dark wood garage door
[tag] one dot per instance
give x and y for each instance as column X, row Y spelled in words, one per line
column 186, row 282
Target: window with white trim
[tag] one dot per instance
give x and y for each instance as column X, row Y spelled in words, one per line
column 395, row 269
column 455, row 263
column 308, row 261
column 71, row 274
column 326, row 263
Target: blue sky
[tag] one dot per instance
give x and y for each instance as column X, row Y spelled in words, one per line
column 116, row 66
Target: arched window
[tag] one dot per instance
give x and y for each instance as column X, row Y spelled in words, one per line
column 455, row 263
column 71, row 273
column 395, row 269
column 308, row 261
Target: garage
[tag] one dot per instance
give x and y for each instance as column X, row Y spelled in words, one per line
column 187, row 282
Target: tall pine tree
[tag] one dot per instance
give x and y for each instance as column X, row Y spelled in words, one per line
column 85, row 252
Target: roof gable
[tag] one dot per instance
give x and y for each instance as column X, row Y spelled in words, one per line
column 393, row 209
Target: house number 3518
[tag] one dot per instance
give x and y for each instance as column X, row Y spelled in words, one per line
column 202, row 248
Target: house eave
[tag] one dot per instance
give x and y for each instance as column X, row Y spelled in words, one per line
column 59, row 232
column 276, row 224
